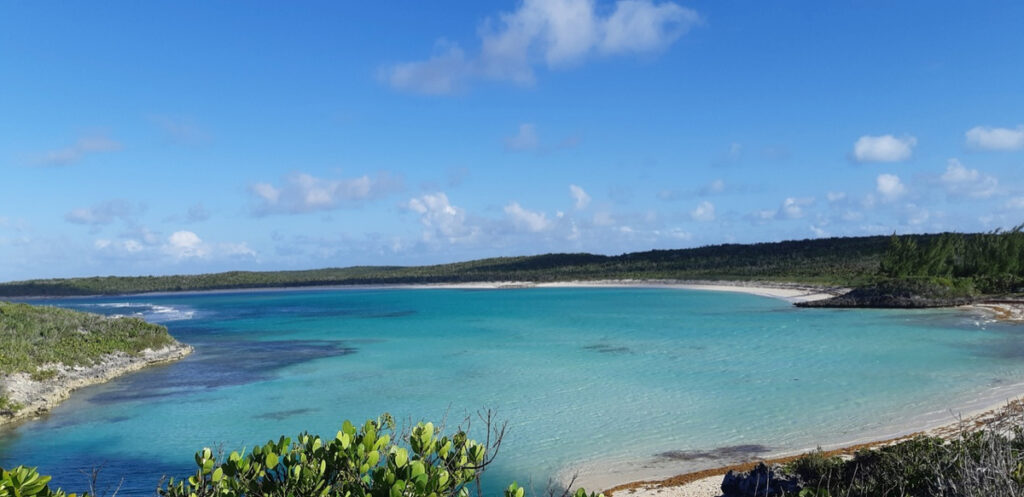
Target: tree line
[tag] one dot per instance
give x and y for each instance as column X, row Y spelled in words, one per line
column 992, row 262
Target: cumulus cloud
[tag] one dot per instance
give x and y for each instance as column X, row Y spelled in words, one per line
column 119, row 246
column 889, row 186
column 988, row 138
column 579, row 197
column 885, row 148
column 185, row 245
column 441, row 219
column 104, row 213
column 443, row 73
column 302, row 193
column 705, row 211
column 79, row 150
column 527, row 220
column 525, row 139
column 963, row 182
column 793, row 207
column 834, row 197
column 180, row 246
column 554, row 33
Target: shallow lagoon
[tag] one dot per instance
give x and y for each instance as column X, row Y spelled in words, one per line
column 639, row 381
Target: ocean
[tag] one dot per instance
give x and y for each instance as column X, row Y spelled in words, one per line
column 612, row 383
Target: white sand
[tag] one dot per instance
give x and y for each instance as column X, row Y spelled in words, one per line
column 705, row 487
column 792, row 292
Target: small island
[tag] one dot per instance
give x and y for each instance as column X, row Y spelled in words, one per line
column 47, row 352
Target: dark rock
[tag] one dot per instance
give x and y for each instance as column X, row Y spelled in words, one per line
column 897, row 294
column 762, row 481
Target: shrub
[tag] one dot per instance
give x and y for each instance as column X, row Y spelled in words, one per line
column 363, row 462
column 360, row 462
column 27, row 482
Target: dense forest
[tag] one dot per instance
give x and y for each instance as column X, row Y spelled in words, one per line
column 990, row 262
column 984, row 263
column 840, row 261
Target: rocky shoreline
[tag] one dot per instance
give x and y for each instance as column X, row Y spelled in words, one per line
column 37, row 397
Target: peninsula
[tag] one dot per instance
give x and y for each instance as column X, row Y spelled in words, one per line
column 47, row 352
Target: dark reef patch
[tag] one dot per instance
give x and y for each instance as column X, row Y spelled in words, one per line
column 387, row 314
column 221, row 365
column 732, row 452
column 605, row 348
column 283, row 415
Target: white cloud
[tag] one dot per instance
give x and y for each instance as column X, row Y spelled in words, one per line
column 556, row 33
column 306, row 193
column 1015, row 203
column 185, row 245
column 642, row 26
column 835, row 196
column 76, row 152
column 579, row 196
column 705, row 211
column 793, row 208
column 441, row 218
column 885, row 148
column 236, row 249
column 104, row 213
column 964, row 182
column 180, row 246
column 443, row 73
column 889, row 186
column 988, row 138
column 526, row 139
column 528, row 220
column 119, row 246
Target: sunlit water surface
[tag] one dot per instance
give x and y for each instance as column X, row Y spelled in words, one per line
column 620, row 382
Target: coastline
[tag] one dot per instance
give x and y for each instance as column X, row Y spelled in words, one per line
column 707, row 483
column 784, row 290
column 38, row 397
column 790, row 292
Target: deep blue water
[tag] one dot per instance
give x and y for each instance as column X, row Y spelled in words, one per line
column 631, row 381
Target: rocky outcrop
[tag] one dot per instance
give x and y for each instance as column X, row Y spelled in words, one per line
column 762, row 481
column 37, row 397
column 896, row 295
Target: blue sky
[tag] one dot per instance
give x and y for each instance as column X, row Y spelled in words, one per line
column 161, row 138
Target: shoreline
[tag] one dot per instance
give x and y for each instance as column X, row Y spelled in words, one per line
column 38, row 397
column 790, row 291
column 707, row 482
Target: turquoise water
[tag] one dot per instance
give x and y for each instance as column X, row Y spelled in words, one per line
column 610, row 381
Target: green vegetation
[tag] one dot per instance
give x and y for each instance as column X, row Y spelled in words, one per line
column 366, row 462
column 26, row 482
column 991, row 263
column 985, row 463
column 8, row 406
column 840, row 261
column 34, row 336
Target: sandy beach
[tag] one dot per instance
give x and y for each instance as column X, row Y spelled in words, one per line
column 707, row 483
column 791, row 292
column 38, row 397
